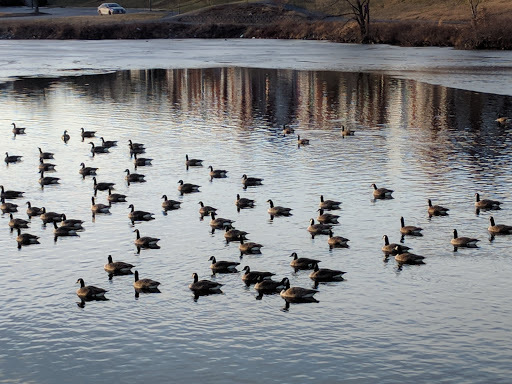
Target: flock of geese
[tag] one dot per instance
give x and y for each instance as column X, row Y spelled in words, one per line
column 262, row 280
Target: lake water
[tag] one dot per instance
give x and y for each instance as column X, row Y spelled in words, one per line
column 445, row 321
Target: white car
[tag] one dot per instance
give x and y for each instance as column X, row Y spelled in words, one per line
column 110, row 9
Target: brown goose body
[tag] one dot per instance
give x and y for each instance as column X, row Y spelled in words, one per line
column 169, row 205
column 117, row 267
column 146, row 241
column 302, row 262
column 144, row 284
column 326, row 274
column 381, row 193
column 204, row 286
column 318, row 229
column 499, row 228
column 436, row 210
column 223, row 266
column 486, row 204
column 252, row 277
column 17, row 223
column 243, row 202
column 89, row 291
column 390, row 248
column 410, row 230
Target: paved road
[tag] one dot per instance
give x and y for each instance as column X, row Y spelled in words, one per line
column 20, row 12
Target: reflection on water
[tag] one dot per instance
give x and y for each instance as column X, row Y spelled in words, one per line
column 449, row 318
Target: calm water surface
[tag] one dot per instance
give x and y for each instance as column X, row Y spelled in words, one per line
column 445, row 321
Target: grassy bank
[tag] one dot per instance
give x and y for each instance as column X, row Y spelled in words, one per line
column 258, row 20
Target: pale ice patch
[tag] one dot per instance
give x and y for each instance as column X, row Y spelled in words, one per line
column 482, row 71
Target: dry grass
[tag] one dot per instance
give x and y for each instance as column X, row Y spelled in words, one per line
column 264, row 21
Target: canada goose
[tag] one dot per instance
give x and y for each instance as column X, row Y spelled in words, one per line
column 223, row 266
column 187, row 187
column 463, row 241
column 302, row 262
column 73, row 223
column 486, row 203
column 302, row 141
column 141, row 161
column 193, row 162
column 329, row 205
column 271, row 286
column 278, row 210
column 325, row 274
column 250, row 181
column 503, row 120
column 87, row 133
column 410, row 230
column 89, row 291
column 8, row 207
column 49, row 217
column 17, row 223
column 327, row 218
column 98, row 148
column 136, row 150
column 46, row 166
column 64, row 230
column 337, row 241
column 390, row 248
column 11, row 159
column 243, row 202
column 99, row 208
column 134, row 177
column 17, row 130
column 115, row 197
column 249, row 248
column 204, row 286
column 65, row 136
column 169, row 205
column 135, row 145
column 45, row 155
column 206, row 210
column 219, row 222
column 47, row 180
column 10, row 194
column 252, row 277
column 144, row 284
column 381, row 193
column 287, row 130
column 318, row 229
column 33, row 211
column 87, row 171
column 346, row 132
column 499, row 228
column 139, row 215
column 108, row 143
column 297, row 293
column 217, row 173
column 404, row 257
column 233, row 234
column 103, row 186
column 436, row 210
column 118, row 267
column 146, row 241
column 26, row 238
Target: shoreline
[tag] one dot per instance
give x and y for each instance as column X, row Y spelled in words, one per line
column 252, row 21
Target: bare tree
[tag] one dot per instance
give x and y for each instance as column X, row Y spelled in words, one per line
column 360, row 11
column 474, row 10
